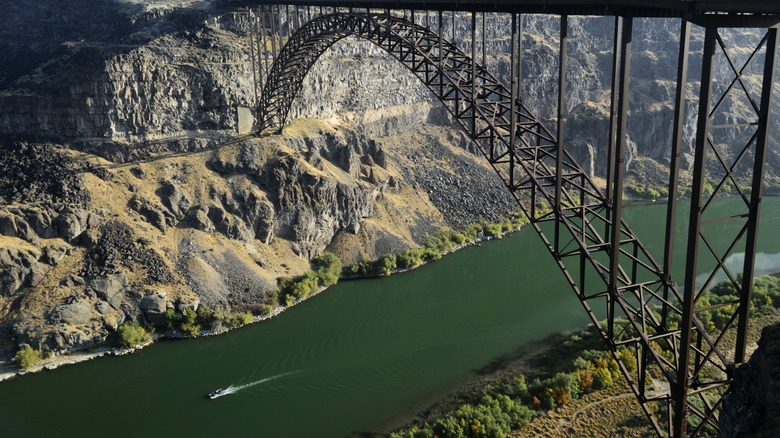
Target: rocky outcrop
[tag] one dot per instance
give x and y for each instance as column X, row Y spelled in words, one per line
column 19, row 268
column 154, row 307
column 751, row 406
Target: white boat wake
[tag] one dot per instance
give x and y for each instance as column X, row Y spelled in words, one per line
column 234, row 389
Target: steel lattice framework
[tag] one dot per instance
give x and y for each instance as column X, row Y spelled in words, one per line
column 607, row 266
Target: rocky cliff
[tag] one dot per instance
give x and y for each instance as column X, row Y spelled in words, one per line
column 125, row 242
column 750, row 409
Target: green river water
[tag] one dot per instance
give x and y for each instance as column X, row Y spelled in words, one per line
column 359, row 357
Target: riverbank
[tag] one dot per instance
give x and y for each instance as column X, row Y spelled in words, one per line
column 9, row 370
column 611, row 410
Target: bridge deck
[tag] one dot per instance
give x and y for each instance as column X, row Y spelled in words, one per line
column 635, row 8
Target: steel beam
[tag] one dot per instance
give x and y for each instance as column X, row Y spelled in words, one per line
column 474, row 74
column 687, row 335
column 674, row 167
column 756, row 193
column 513, row 96
column 620, row 167
column 561, row 114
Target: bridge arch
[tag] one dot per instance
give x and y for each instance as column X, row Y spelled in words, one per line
column 520, row 149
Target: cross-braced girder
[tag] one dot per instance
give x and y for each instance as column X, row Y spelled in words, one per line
column 609, row 269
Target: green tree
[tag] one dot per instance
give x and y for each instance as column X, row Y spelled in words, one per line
column 327, row 268
column 171, row 319
column 189, row 325
column 26, row 357
column 131, row 334
column 385, row 264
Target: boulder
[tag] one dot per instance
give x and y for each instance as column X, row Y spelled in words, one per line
column 89, row 239
column 152, row 212
column 69, row 224
column 19, row 268
column 110, row 289
column 72, row 281
column 53, row 254
column 41, row 222
column 7, row 225
column 154, row 307
column 25, row 231
column 182, row 306
column 175, row 199
column 200, row 221
column 77, row 313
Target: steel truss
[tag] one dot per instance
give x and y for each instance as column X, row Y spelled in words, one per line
column 607, row 266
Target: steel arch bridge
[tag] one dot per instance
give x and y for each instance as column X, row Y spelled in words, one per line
column 602, row 259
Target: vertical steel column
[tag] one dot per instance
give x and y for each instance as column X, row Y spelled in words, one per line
column 441, row 57
column 756, row 193
column 297, row 19
column 252, row 36
column 680, row 390
column 520, row 57
column 561, row 112
column 265, row 66
column 613, row 113
column 473, row 74
column 455, row 100
column 674, row 167
column 454, row 42
column 287, row 17
column 620, row 167
column 513, row 94
column 414, row 40
column 273, row 33
column 484, row 63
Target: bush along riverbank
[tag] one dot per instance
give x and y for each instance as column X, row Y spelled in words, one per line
column 572, row 381
column 434, row 247
column 326, row 270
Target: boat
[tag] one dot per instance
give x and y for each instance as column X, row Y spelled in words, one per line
column 218, row 393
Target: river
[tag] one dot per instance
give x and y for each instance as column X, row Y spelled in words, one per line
column 356, row 358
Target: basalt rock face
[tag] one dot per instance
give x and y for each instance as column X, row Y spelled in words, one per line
column 298, row 202
column 750, row 409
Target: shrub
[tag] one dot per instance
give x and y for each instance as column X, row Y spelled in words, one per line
column 245, row 318
column 409, row 258
column 560, row 396
column 493, row 230
column 585, row 381
column 602, row 377
column 385, row 264
column 327, row 268
column 171, row 319
column 266, row 310
column 582, row 364
column 131, row 334
column 520, row 386
column 272, row 295
column 26, row 357
column 363, row 267
column 191, row 329
column 204, row 315
column 628, row 358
